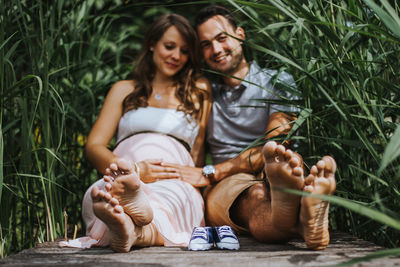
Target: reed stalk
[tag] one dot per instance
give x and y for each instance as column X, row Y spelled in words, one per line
column 59, row 58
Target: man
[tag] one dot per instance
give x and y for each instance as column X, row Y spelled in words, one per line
column 238, row 197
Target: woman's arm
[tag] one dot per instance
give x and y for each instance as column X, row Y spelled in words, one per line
column 105, row 126
column 198, row 149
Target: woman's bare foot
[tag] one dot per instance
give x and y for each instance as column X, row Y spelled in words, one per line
column 124, row 185
column 122, row 231
column 283, row 169
column 314, row 212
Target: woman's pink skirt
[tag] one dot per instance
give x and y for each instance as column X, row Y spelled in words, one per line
column 177, row 206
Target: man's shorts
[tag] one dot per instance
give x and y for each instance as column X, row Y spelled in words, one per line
column 220, row 197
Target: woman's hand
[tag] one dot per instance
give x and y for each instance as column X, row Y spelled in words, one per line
column 152, row 170
column 191, row 175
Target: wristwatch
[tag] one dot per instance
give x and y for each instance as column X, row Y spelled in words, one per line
column 209, row 172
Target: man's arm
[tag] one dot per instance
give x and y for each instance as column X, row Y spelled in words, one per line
column 249, row 161
column 252, row 160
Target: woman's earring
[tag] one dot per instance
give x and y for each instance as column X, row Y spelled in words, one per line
column 151, row 49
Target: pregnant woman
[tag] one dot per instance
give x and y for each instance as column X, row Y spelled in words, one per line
column 160, row 114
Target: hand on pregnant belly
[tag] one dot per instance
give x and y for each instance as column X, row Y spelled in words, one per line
column 152, row 170
column 191, row 175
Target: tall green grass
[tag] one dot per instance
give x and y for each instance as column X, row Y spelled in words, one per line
column 58, row 59
column 344, row 56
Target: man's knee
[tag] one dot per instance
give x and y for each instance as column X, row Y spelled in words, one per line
column 257, row 192
column 262, row 229
column 254, row 196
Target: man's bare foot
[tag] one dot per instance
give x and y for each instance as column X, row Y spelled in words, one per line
column 121, row 228
column 124, row 185
column 314, row 212
column 283, row 169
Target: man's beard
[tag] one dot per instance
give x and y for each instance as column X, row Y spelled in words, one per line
column 233, row 65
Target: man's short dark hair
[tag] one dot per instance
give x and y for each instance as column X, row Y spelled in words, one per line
column 214, row 10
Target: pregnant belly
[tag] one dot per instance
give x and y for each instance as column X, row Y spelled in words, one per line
column 153, row 146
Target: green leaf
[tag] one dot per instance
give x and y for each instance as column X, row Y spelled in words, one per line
column 304, row 114
column 392, row 150
column 351, row 205
column 1, row 161
column 388, row 20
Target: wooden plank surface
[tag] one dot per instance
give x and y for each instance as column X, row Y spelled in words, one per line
column 343, row 247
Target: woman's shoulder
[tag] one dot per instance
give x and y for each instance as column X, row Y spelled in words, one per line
column 123, row 87
column 120, row 90
column 203, row 84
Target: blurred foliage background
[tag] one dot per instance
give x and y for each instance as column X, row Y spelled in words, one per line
column 59, row 58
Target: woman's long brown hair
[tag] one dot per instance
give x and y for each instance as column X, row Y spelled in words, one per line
column 184, row 80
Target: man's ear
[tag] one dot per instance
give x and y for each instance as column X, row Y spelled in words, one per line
column 240, row 33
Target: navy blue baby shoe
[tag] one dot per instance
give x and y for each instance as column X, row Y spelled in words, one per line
column 202, row 239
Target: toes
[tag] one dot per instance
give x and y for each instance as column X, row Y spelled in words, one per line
column 308, row 188
column 322, row 176
column 269, row 151
column 298, row 171
column 108, row 172
column 330, row 165
column 124, row 165
column 114, row 202
column 280, row 151
column 288, row 154
column 326, row 167
column 107, row 179
column 294, row 162
column 113, row 167
column 108, row 187
column 297, row 155
column 102, row 195
column 95, row 194
column 314, row 170
column 118, row 209
column 99, row 195
column 321, row 168
column 114, row 171
column 274, row 152
column 309, row 180
column 107, row 196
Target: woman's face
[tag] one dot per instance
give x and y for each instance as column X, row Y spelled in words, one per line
column 170, row 53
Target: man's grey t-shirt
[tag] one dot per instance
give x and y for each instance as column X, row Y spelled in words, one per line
column 233, row 125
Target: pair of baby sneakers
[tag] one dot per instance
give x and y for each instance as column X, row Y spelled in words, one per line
column 204, row 238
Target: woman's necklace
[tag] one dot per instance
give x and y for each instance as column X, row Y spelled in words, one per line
column 162, row 93
column 157, row 97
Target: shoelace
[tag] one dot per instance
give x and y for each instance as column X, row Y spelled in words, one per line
column 199, row 233
column 225, row 231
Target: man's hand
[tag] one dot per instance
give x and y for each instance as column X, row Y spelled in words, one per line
column 152, row 170
column 191, row 175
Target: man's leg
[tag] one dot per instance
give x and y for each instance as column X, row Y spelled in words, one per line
column 220, row 199
column 314, row 212
column 284, row 169
column 270, row 215
column 257, row 209
column 252, row 210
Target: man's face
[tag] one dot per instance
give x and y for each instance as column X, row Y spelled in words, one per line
column 221, row 51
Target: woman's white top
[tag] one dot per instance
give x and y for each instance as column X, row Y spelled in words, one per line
column 158, row 120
